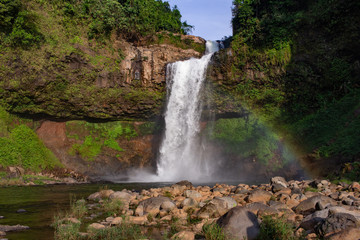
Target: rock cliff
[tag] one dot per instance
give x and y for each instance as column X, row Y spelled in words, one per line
column 123, row 80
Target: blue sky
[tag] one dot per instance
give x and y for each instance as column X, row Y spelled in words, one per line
column 211, row 18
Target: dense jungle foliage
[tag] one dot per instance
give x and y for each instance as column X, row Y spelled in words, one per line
column 133, row 18
column 296, row 63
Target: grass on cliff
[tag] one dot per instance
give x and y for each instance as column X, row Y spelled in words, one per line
column 91, row 139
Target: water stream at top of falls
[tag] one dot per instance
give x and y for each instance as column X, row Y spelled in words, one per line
column 181, row 151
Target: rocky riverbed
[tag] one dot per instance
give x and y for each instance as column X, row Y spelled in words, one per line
column 309, row 209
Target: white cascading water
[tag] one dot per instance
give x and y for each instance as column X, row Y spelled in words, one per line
column 181, row 151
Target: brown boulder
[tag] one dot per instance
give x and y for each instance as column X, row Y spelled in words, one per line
column 259, row 196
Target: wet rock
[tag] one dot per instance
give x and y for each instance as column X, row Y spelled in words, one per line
column 337, row 222
column 1, row 217
column 21, row 211
column 239, row 224
column 184, row 235
column 14, row 228
column 308, row 206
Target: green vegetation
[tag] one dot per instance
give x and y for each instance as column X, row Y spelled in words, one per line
column 113, row 206
column 213, row 232
column 134, row 18
column 333, row 130
column 311, row 189
column 249, row 137
column 67, row 54
column 18, row 25
column 91, row 139
column 78, row 208
column 69, row 225
column 275, row 228
column 350, row 172
column 295, row 64
column 124, row 231
column 65, row 229
column 20, row 146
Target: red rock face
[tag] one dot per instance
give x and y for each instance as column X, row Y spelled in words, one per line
column 138, row 151
column 53, row 134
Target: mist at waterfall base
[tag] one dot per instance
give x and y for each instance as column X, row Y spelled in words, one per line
column 185, row 152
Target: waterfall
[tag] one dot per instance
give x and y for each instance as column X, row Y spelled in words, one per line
column 181, row 151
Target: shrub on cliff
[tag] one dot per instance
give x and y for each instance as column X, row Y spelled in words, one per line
column 20, row 146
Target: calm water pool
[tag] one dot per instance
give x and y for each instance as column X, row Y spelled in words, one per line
column 43, row 202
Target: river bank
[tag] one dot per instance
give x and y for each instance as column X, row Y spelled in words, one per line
column 309, row 209
column 18, row 176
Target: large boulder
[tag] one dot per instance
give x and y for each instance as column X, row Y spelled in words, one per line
column 192, row 194
column 239, row 224
column 151, row 206
column 189, row 203
column 337, row 222
column 347, row 234
column 208, row 211
column 261, row 209
column 124, row 196
column 308, row 206
column 310, row 221
column 217, row 207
